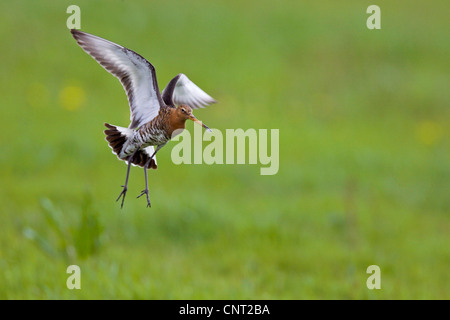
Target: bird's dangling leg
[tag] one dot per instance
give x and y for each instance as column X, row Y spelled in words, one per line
column 147, row 164
column 125, row 187
column 145, row 191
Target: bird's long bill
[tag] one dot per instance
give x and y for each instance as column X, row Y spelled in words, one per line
column 200, row 123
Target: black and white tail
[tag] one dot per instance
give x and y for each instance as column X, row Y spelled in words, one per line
column 117, row 136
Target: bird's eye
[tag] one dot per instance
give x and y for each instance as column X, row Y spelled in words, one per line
column 182, row 109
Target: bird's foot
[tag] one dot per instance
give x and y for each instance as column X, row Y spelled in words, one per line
column 145, row 191
column 122, row 195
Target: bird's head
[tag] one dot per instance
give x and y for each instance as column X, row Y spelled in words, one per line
column 185, row 112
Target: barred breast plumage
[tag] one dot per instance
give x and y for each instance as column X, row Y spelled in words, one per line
column 155, row 132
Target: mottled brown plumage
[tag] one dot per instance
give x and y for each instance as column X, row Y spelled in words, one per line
column 116, row 141
column 168, row 123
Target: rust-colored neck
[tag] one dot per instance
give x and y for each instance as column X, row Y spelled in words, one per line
column 176, row 121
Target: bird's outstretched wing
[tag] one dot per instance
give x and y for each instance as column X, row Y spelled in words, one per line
column 181, row 90
column 136, row 74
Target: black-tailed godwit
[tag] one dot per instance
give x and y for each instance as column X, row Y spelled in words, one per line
column 155, row 117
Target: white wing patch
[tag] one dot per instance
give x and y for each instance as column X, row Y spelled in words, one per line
column 187, row 92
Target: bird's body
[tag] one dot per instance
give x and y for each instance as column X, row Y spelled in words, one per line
column 154, row 133
column 155, row 117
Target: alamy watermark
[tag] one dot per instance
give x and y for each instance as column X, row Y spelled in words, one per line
column 373, row 281
column 74, row 280
column 74, row 20
column 374, row 20
column 234, row 146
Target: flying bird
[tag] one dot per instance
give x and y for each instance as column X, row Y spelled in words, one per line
column 155, row 117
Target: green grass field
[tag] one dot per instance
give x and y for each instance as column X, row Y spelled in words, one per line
column 364, row 153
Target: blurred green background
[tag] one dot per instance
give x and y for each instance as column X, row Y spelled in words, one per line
column 364, row 140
